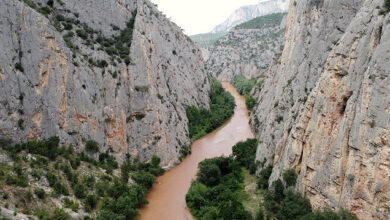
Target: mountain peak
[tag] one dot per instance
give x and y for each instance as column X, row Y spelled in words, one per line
column 246, row 13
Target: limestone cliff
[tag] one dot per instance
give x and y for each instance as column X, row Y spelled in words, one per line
column 249, row 48
column 324, row 111
column 117, row 72
column 249, row 12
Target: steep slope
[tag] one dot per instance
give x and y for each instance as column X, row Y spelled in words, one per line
column 117, row 72
column 249, row 12
column 249, row 48
column 324, row 110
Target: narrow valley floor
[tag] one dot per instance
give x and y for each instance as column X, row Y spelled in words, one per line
column 167, row 197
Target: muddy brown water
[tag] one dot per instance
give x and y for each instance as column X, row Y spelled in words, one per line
column 167, row 197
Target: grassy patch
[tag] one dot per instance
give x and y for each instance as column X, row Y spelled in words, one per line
column 253, row 195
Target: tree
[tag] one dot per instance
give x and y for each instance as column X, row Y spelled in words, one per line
column 91, row 201
column 245, row 153
column 79, row 190
column 155, row 161
column 278, row 190
column 290, row 177
column 293, row 206
column 264, row 174
column 144, row 179
column 209, row 173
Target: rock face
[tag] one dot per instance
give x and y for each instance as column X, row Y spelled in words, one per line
column 129, row 97
column 248, row 49
column 325, row 110
column 249, row 12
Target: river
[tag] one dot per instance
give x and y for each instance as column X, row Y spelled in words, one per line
column 167, row 197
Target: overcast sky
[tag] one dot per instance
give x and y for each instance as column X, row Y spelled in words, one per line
column 200, row 16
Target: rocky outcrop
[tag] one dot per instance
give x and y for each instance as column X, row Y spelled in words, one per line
column 249, row 12
column 324, row 111
column 248, row 49
column 92, row 84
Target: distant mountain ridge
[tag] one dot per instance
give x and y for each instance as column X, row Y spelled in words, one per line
column 249, row 12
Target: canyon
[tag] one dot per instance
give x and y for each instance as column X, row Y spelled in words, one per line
column 118, row 77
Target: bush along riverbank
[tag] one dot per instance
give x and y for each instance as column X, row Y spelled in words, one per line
column 202, row 121
column 244, row 87
column 225, row 190
column 40, row 178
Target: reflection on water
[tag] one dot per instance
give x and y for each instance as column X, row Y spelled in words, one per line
column 167, row 197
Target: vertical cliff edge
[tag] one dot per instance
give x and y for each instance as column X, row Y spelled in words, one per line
column 325, row 110
column 116, row 72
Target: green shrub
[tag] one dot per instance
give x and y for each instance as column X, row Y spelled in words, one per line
column 10, row 180
column 140, row 116
column 50, row 3
column 44, row 10
column 19, row 67
column 279, row 119
column 47, row 148
column 184, row 151
column 89, row 180
column 264, row 176
column 290, row 177
column 245, row 153
column 60, row 17
column 144, row 179
column 109, row 215
column 60, row 188
column 155, row 161
column 70, row 204
column 81, row 33
column 202, row 121
column 30, row 3
column 249, row 101
column 91, row 201
column 59, row 214
column 142, row 88
column 20, row 123
column 111, row 50
column 293, row 206
column 40, row 193
column 91, row 146
column 102, row 63
column 51, row 178
column 243, row 85
column 79, row 190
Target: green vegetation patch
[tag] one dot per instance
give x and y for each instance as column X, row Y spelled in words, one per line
column 203, row 121
column 76, row 179
column 224, row 189
column 245, row 153
column 216, row 193
column 265, row 21
column 386, row 8
column 244, row 87
column 208, row 39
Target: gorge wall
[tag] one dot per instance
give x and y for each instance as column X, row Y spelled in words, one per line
column 117, row 72
column 249, row 48
column 324, row 110
column 249, row 12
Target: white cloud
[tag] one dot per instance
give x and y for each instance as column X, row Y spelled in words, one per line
column 200, row 16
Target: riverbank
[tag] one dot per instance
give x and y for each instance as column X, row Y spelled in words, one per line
column 167, row 197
